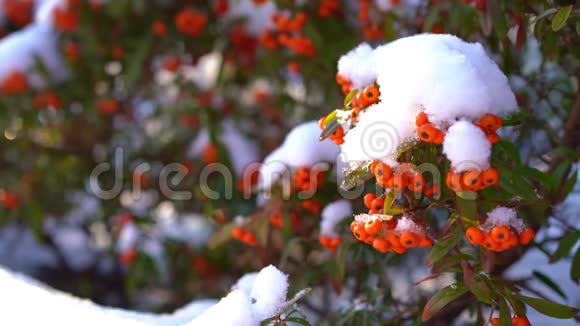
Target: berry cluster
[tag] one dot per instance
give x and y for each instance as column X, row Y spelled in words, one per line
column 244, row 236
column 330, row 242
column 288, row 33
column 277, row 220
column 501, row 231
column 337, row 136
column 328, row 8
column 370, row 95
column 190, row 22
column 386, row 233
column 404, row 176
column 471, row 180
column 305, row 179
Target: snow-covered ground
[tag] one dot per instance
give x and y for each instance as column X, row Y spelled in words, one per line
column 27, row 302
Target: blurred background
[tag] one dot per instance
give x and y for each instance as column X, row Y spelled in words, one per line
column 103, row 102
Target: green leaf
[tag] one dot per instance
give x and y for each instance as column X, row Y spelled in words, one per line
column 349, row 97
column 569, row 185
column 565, row 246
column 549, row 308
column 468, row 210
column 504, row 313
column 441, row 248
column 481, row 292
column 297, row 320
column 515, row 184
column 575, row 270
column 561, row 17
column 329, row 129
column 549, row 283
column 137, row 62
column 441, row 299
column 389, row 28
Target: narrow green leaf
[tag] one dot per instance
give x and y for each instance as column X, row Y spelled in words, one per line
column 329, row 129
column 137, row 62
column 504, row 313
column 481, row 292
column 549, row 283
column 565, row 246
column 331, row 116
column 297, row 321
column 549, row 308
column 441, row 248
column 561, row 17
column 349, row 97
column 441, row 299
column 575, row 270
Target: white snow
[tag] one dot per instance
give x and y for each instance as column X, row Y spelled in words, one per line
column 300, row 148
column 268, row 292
column 28, row 302
column 128, row 237
column 445, row 77
column 467, row 148
column 332, row 214
column 358, row 66
column 407, row 224
column 503, row 216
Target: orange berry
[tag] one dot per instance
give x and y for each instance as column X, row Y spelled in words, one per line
column 399, row 250
column 354, row 114
column 399, row 182
column 324, row 240
column 393, row 239
column 427, row 132
column 373, row 226
column 490, row 177
column 238, row 232
column 368, row 199
column 495, row 321
column 456, row 182
column 471, row 179
column 249, row 238
column 370, row 95
column 433, row 190
column 426, row 242
column 421, row 119
column 500, row 233
column 381, row 245
column 492, row 137
column 409, row 239
column 513, row 241
column 360, row 233
column 383, row 171
column 526, row 236
column 474, row 235
column 489, row 244
column 520, row 321
column 190, row 22
column 378, row 204
column 391, row 223
column 335, row 242
column 439, row 138
column 490, row 122
column 353, row 224
column 416, row 183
